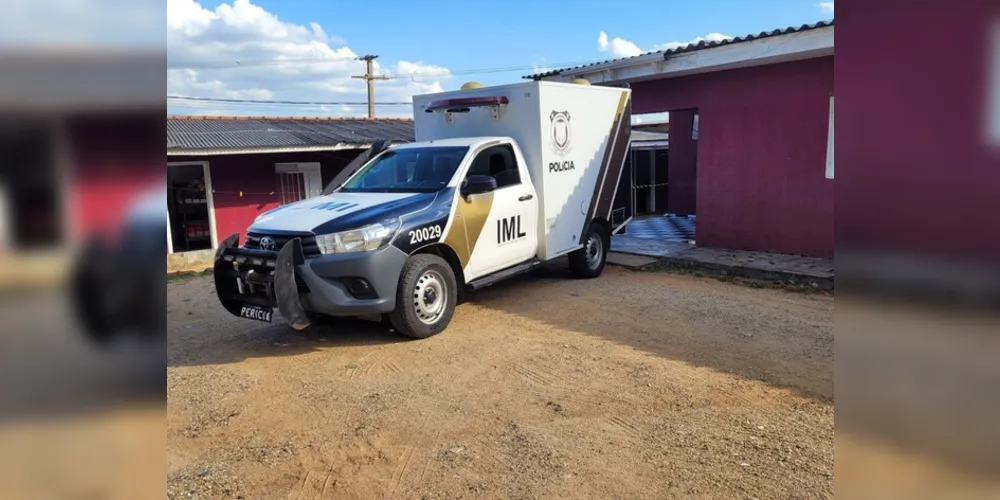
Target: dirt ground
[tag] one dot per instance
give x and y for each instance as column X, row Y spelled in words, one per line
column 635, row 385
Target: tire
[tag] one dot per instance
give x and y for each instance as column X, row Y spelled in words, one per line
column 425, row 298
column 588, row 262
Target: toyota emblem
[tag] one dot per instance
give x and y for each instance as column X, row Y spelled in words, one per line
column 267, row 243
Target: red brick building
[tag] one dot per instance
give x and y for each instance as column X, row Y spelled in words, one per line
column 222, row 172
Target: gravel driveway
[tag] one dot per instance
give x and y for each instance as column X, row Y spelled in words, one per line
column 634, row 385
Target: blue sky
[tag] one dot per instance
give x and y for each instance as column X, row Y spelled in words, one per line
column 427, row 38
column 464, row 35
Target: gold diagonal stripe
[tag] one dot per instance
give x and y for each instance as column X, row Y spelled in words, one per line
column 470, row 218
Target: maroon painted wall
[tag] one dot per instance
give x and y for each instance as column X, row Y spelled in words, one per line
column 683, row 169
column 761, row 181
column 917, row 175
column 244, row 186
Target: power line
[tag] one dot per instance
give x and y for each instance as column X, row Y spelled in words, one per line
column 257, row 63
column 414, row 76
column 298, row 103
column 381, row 75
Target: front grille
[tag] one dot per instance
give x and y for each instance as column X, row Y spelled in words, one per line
column 309, row 247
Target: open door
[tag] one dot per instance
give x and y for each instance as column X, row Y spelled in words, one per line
column 354, row 165
column 623, row 207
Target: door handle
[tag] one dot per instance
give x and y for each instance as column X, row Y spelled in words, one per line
column 525, row 197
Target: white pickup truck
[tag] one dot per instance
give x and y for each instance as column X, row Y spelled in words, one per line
column 499, row 180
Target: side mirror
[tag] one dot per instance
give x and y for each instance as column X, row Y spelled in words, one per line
column 478, row 184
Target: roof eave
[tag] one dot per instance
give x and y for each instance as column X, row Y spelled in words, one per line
column 643, row 59
column 250, row 151
column 800, row 45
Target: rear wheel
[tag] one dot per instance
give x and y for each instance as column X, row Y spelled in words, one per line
column 588, row 262
column 425, row 298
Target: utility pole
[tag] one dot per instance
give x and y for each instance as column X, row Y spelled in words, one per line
column 370, row 78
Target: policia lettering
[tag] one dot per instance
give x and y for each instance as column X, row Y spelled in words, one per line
column 508, row 229
column 561, row 166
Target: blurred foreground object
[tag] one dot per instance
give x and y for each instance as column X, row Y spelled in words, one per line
column 119, row 287
column 918, row 249
column 82, row 86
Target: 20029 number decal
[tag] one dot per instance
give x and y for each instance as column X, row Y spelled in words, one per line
column 424, row 234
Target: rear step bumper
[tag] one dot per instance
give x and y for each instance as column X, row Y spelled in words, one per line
column 251, row 283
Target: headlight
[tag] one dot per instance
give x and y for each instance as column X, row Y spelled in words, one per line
column 365, row 239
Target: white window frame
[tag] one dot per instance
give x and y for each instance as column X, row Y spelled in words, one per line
column 311, row 174
column 829, row 144
column 992, row 125
column 207, row 172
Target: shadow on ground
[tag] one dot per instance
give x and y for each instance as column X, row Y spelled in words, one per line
column 244, row 339
column 781, row 338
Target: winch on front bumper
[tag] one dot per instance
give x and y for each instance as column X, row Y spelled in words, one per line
column 250, row 283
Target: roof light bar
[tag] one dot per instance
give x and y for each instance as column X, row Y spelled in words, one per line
column 463, row 104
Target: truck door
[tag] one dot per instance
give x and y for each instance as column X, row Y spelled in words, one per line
column 510, row 235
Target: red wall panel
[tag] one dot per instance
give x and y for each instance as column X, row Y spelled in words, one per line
column 761, row 153
column 918, row 176
column 245, row 186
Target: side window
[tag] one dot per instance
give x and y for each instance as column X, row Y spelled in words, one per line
column 499, row 163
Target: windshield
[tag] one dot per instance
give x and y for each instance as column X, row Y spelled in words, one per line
column 407, row 170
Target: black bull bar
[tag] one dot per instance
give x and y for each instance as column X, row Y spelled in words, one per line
column 261, row 279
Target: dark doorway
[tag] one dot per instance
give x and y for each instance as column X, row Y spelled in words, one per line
column 29, row 187
column 661, row 180
column 187, row 205
column 650, row 171
column 642, row 178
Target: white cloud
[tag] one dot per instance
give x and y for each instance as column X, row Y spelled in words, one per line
column 239, row 50
column 711, row 37
column 825, row 7
column 617, row 47
column 620, row 47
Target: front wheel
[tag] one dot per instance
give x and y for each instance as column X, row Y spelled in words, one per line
column 425, row 298
column 588, row 262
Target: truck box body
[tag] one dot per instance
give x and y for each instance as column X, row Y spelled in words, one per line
column 574, row 138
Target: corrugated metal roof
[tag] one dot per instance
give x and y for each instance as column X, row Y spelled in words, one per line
column 693, row 47
column 213, row 134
